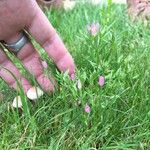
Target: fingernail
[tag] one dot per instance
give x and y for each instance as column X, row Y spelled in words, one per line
column 34, row 93
column 17, row 103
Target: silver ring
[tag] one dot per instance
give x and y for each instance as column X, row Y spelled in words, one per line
column 19, row 44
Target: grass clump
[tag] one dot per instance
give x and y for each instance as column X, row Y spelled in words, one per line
column 120, row 110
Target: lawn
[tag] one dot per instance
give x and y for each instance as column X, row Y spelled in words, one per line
column 120, row 110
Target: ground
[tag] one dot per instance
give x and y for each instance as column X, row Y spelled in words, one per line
column 120, row 110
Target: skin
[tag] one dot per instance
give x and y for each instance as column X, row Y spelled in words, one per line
column 139, row 8
column 17, row 15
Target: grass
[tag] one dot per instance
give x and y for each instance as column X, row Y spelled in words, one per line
column 120, row 111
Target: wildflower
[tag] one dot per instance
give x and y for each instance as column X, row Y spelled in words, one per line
column 72, row 77
column 44, row 64
column 87, row 108
column 101, row 81
column 79, row 85
column 93, row 28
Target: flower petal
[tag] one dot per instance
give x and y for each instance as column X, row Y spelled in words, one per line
column 93, row 28
column 101, row 81
column 72, row 77
column 87, row 108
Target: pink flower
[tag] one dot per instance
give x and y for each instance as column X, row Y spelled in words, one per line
column 101, row 81
column 87, row 108
column 44, row 64
column 79, row 85
column 93, row 29
column 72, row 77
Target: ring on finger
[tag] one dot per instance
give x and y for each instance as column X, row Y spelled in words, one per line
column 19, row 44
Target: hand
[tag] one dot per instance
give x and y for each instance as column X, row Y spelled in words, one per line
column 19, row 15
column 139, row 8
